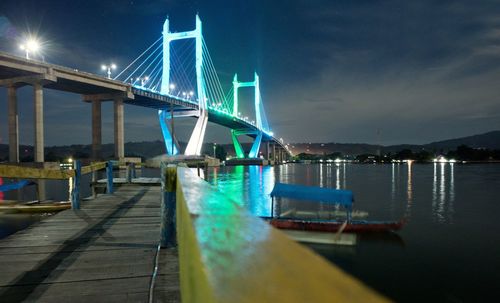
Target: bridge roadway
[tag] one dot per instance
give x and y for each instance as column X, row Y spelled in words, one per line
column 104, row 252
column 16, row 71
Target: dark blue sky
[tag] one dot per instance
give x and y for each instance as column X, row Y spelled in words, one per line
column 331, row 71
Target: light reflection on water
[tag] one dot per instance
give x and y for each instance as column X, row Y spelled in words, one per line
column 444, row 242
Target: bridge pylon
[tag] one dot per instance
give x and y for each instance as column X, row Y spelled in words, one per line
column 254, row 151
column 196, row 140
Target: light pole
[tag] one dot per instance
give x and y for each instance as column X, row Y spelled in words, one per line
column 215, row 146
column 108, row 69
column 30, row 46
column 143, row 80
column 171, row 88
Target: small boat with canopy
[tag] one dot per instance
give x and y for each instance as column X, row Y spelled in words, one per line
column 343, row 198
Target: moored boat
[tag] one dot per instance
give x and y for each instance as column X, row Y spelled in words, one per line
column 343, row 198
column 353, row 226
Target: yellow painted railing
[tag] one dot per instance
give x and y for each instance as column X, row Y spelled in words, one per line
column 93, row 167
column 22, row 172
column 228, row 255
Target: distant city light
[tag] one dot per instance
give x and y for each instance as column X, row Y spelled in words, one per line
column 442, row 159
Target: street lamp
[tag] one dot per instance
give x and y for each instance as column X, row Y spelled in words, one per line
column 30, row 46
column 171, row 87
column 215, row 145
column 143, row 80
column 108, row 68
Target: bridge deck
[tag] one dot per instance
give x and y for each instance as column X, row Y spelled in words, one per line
column 104, row 252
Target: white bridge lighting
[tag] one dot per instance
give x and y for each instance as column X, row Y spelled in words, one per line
column 108, row 69
column 30, row 46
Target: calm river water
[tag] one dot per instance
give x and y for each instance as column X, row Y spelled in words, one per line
column 449, row 251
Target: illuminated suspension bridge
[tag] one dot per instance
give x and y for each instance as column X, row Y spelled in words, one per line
column 174, row 67
column 174, row 75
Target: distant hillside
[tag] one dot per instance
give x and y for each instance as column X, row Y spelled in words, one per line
column 490, row 140
column 145, row 150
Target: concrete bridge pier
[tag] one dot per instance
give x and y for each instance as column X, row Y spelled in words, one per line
column 96, row 101
column 119, row 132
column 267, row 151
column 38, row 121
column 96, row 129
column 13, row 119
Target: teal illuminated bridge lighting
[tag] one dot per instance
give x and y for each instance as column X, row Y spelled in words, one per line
column 178, row 65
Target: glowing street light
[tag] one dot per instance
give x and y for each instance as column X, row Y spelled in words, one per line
column 30, row 46
column 191, row 93
column 143, row 80
column 108, row 68
column 171, row 87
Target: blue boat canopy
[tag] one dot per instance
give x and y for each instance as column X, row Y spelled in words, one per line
column 14, row 186
column 312, row 193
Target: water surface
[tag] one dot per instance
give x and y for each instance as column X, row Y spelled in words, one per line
column 449, row 249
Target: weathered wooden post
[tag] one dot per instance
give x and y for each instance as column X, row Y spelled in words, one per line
column 168, row 186
column 75, row 193
column 93, row 183
column 132, row 170
column 128, row 173
column 109, row 176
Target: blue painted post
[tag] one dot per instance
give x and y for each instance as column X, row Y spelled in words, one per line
column 168, row 201
column 75, row 194
column 128, row 173
column 132, row 170
column 109, row 176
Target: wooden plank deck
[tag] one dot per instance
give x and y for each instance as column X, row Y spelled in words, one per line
column 104, row 252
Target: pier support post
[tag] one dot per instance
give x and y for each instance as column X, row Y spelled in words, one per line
column 168, row 205
column 119, row 136
column 109, row 177
column 96, row 129
column 13, row 124
column 38, row 117
column 75, row 194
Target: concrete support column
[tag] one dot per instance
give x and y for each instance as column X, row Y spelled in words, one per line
column 267, row 150
column 274, row 152
column 38, row 102
column 119, row 136
column 13, row 124
column 96, row 129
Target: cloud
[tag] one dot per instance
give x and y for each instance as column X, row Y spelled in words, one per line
column 416, row 71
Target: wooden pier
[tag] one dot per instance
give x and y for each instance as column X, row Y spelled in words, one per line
column 104, row 252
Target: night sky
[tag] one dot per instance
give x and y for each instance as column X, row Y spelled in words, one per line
column 331, row 71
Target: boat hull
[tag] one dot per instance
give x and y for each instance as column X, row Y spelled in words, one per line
column 358, row 226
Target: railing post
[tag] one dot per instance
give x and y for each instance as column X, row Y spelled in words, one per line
column 128, row 173
column 94, row 183
column 109, row 176
column 132, row 171
column 75, row 194
column 168, row 201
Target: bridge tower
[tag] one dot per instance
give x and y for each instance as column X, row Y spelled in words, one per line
column 196, row 140
column 254, row 151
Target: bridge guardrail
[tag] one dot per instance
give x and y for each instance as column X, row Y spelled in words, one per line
column 228, row 255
